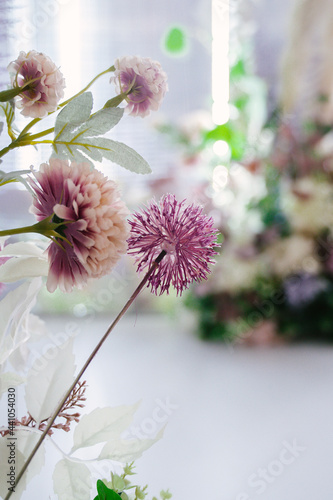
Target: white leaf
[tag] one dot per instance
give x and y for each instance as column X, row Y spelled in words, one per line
column 28, row 261
column 9, row 379
column 26, row 440
column 103, row 424
column 71, row 481
column 23, row 249
column 48, row 379
column 73, row 114
column 5, row 469
column 18, row 268
column 127, row 450
column 14, row 317
column 21, row 448
column 36, row 328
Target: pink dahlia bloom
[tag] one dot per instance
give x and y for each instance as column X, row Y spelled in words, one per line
column 145, row 82
column 183, row 232
column 94, row 222
column 46, row 86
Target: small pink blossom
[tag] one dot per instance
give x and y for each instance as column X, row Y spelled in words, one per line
column 143, row 80
column 94, row 219
column 46, row 86
column 184, row 232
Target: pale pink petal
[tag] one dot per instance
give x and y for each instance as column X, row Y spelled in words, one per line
column 91, row 216
column 46, row 87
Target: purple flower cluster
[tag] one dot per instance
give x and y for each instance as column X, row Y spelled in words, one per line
column 184, row 232
column 302, row 289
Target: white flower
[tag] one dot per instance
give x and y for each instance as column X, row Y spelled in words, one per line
column 291, row 255
column 308, row 205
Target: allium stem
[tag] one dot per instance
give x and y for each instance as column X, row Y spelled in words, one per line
column 85, row 366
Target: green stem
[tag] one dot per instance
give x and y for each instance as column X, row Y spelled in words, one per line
column 29, row 126
column 41, row 134
column 20, row 230
column 87, row 86
column 45, row 227
column 26, row 140
column 11, row 146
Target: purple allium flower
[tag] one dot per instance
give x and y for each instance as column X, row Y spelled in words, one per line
column 46, row 86
column 94, row 218
column 183, row 232
column 143, row 80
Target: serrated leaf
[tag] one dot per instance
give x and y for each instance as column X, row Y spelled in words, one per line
column 127, row 450
column 77, row 136
column 123, row 155
column 48, row 379
column 103, row 424
column 71, row 481
column 73, row 114
column 101, row 122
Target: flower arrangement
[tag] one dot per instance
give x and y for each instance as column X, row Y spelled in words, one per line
column 83, row 228
column 268, row 182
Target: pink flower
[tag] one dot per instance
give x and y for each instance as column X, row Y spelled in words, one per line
column 183, row 232
column 94, row 222
column 46, row 86
column 143, row 80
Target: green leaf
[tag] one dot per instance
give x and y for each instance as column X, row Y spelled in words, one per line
column 238, row 70
column 176, row 41
column 104, row 493
column 77, row 136
column 101, row 122
column 235, row 138
column 123, row 155
column 74, row 114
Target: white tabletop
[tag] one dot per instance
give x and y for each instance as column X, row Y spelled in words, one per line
column 242, row 424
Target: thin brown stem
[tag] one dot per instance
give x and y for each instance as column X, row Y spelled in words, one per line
column 85, row 366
